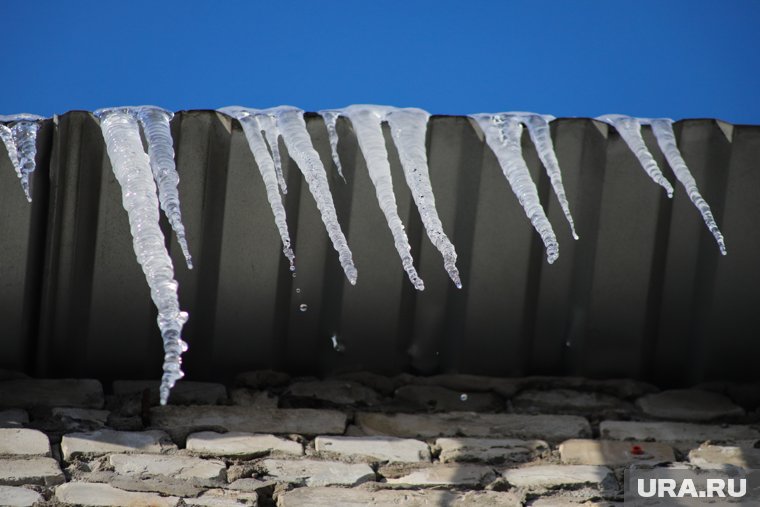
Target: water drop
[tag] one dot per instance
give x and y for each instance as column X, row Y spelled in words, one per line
column 294, row 274
column 339, row 347
column 298, row 291
column 303, row 307
column 463, row 397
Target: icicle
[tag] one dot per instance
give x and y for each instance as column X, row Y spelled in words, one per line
column 155, row 124
column 331, row 119
column 6, row 134
column 367, row 123
column 663, row 131
column 131, row 166
column 253, row 132
column 22, row 146
column 503, row 134
column 408, row 128
column 269, row 126
column 630, row 130
column 292, row 127
column 540, row 133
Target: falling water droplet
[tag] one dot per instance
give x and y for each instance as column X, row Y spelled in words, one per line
column 294, row 275
column 298, row 291
column 339, row 347
column 463, row 397
column 303, row 307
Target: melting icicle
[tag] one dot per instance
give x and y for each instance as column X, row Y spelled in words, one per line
column 408, row 128
column 131, row 166
column 663, row 131
column 6, row 134
column 253, row 133
column 367, row 122
column 268, row 124
column 630, row 130
column 540, row 133
column 155, row 124
column 331, row 119
column 503, row 134
column 292, row 127
column 21, row 142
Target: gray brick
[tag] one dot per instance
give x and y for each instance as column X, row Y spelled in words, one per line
column 468, row 424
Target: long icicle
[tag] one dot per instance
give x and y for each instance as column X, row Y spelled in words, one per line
column 540, row 133
column 253, row 132
column 131, row 166
column 408, row 129
column 367, row 123
column 666, row 138
column 155, row 124
column 331, row 120
column 630, row 130
column 292, row 127
column 503, row 134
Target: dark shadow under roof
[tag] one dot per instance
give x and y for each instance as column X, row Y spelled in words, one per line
column 643, row 294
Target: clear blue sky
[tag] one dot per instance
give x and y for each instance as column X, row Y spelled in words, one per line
column 676, row 58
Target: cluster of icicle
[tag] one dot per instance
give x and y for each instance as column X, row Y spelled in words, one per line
column 20, row 141
column 503, row 133
column 138, row 172
column 662, row 128
column 408, row 129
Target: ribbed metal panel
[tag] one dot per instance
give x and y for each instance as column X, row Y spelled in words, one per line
column 644, row 293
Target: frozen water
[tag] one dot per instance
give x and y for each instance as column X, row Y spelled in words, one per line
column 663, row 131
column 20, row 140
column 6, row 134
column 503, row 133
column 408, row 129
column 540, row 133
column 292, row 127
column 367, row 122
column 252, row 127
column 630, row 130
column 268, row 124
column 155, row 124
column 331, row 119
column 131, row 166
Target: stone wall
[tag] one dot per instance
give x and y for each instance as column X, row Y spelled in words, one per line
column 359, row 439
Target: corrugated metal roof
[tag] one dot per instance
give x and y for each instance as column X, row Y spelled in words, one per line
column 644, row 293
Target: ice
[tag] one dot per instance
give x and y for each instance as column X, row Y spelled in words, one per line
column 408, row 129
column 268, row 125
column 630, row 130
column 540, row 133
column 20, row 140
column 131, row 166
column 292, row 127
column 6, row 134
column 367, row 122
column 331, row 119
column 252, row 127
column 503, row 132
column 155, row 124
column 663, row 131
